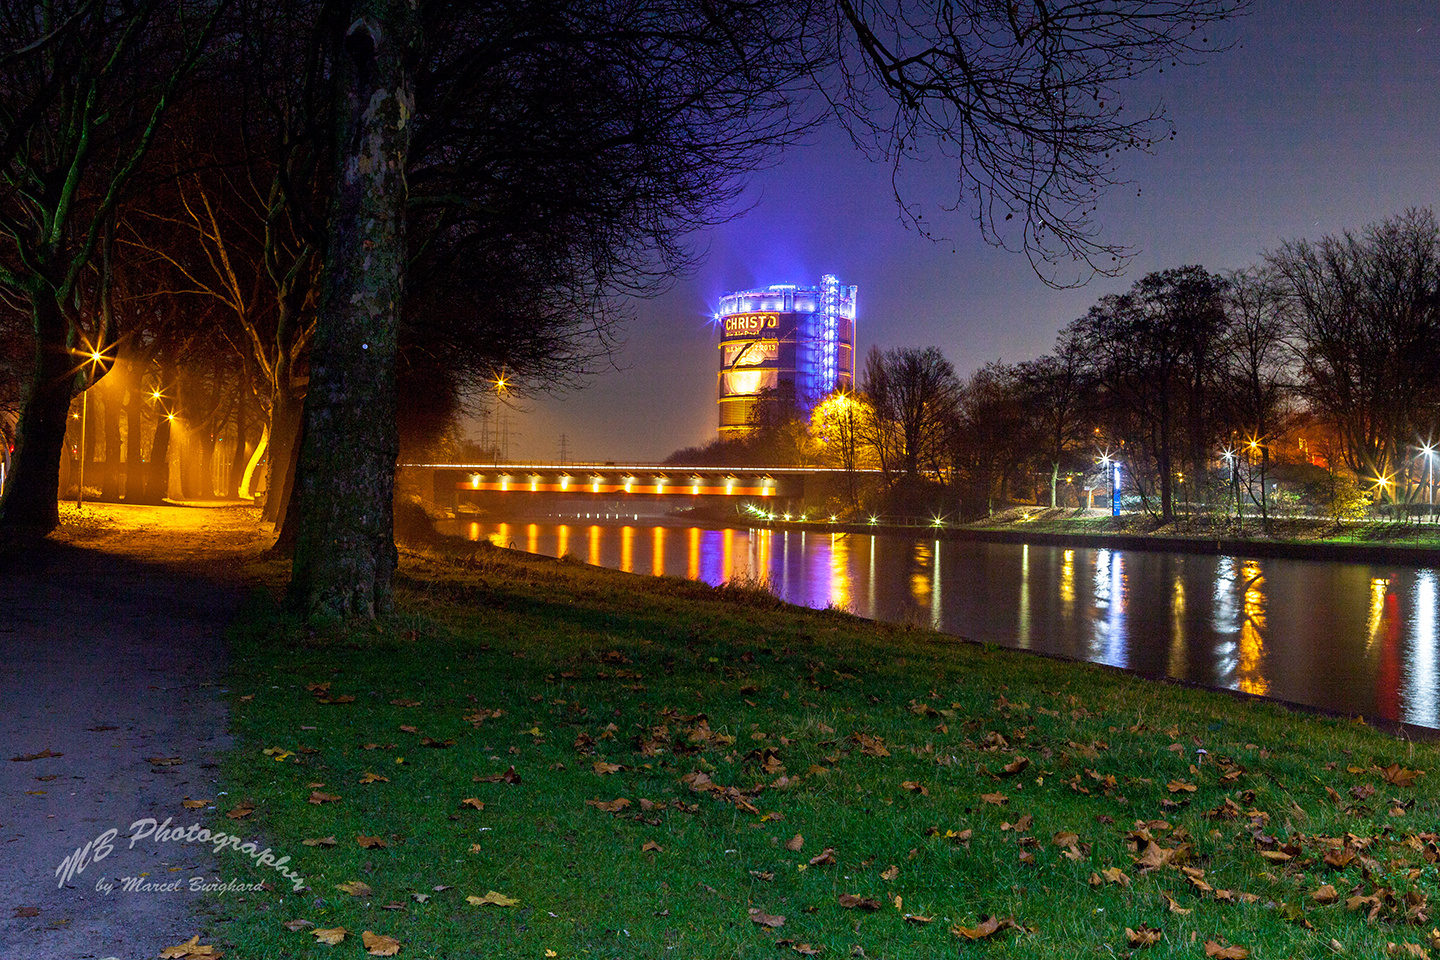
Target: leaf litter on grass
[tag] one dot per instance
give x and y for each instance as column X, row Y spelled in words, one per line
column 1189, row 828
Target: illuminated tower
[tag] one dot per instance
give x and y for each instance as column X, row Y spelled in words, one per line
column 796, row 341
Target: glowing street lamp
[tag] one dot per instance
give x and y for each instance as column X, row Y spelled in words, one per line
column 93, row 359
column 1429, row 451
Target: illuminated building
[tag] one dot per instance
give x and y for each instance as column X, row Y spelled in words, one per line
column 796, row 341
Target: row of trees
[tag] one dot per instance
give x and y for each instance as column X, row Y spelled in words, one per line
column 342, row 205
column 1187, row 374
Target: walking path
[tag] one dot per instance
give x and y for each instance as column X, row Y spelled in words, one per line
column 111, row 655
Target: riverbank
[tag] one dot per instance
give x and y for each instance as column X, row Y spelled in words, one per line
column 537, row 757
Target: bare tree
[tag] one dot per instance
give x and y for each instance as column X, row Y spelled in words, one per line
column 1365, row 315
column 1024, row 99
column 1258, row 370
column 914, row 395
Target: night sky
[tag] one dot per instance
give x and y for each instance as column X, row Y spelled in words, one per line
column 1324, row 117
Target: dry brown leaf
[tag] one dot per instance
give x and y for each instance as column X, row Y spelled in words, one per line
column 377, row 945
column 915, row 787
column 917, row 919
column 764, row 919
column 602, row 768
column 609, row 806
column 474, row 803
column 795, row 843
column 356, row 888
column 1115, row 875
column 1180, row 786
column 1406, row 950
column 320, row 842
column 493, row 899
column 998, row 799
column 157, row 761
column 891, row 873
column 1144, row 937
column 509, row 776
column 191, row 949
column 296, row 925
column 825, row 858
column 988, row 927
column 374, row 778
column 241, row 811
column 317, row 797
column 405, row 703
column 329, row 935
column 650, row 846
column 851, row 901
column 189, row 804
column 1174, row 907
column 1217, row 952
column 42, row 755
column 371, row 843
column 1326, row 895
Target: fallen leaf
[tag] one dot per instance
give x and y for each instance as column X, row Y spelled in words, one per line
column 1144, row 937
column 43, row 754
column 297, row 925
column 374, row 778
column 379, row 946
column 998, row 799
column 917, row 919
column 852, row 901
column 329, row 935
column 795, row 843
column 492, row 899
column 609, row 806
column 279, row 753
column 1174, row 907
column 371, row 843
column 158, row 761
column 356, row 888
column 21, row 912
column 405, row 703
column 509, row 776
column 474, row 803
column 317, row 797
column 650, row 846
column 1214, row 950
column 241, row 811
column 189, row 804
column 915, row 787
column 191, row 948
column 319, row 842
column 988, row 927
column 1406, row 950
column 1115, row 875
column 825, row 858
column 602, row 768
column 891, row 873
column 765, row 919
column 1180, row 786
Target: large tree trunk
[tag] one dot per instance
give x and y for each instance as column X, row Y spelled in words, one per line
column 345, row 548
column 30, row 506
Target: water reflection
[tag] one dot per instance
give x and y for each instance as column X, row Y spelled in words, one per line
column 1348, row 637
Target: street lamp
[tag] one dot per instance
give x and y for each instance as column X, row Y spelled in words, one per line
column 1112, row 473
column 1429, row 451
column 93, row 358
column 501, row 385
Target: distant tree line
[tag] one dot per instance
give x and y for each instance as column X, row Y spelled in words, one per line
column 1191, row 380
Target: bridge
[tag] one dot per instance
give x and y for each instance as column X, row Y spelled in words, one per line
column 632, row 484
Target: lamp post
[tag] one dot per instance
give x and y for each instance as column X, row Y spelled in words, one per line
column 1112, row 473
column 501, row 388
column 92, row 360
column 1429, row 451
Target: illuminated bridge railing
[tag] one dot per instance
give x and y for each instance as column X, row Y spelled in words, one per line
column 618, row 480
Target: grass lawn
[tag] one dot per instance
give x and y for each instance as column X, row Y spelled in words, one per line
column 536, row 758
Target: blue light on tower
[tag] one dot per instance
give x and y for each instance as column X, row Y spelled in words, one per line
column 795, row 341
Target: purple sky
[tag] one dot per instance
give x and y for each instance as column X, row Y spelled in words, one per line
column 1322, row 118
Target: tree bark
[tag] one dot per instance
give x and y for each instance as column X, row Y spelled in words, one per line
column 345, row 550
column 30, row 506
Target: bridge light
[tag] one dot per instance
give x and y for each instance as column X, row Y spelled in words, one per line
column 475, row 480
column 564, row 481
column 874, row 519
column 595, row 483
column 729, row 484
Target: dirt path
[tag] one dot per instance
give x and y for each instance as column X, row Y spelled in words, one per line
column 111, row 655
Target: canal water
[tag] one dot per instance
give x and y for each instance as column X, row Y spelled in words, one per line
column 1351, row 637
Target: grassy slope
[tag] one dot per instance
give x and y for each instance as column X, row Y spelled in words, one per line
column 878, row 742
